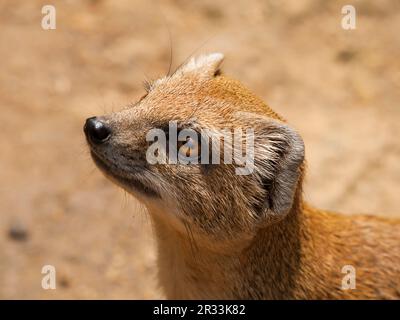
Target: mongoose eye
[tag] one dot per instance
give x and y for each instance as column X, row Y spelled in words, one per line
column 189, row 148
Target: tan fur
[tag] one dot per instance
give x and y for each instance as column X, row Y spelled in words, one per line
column 217, row 235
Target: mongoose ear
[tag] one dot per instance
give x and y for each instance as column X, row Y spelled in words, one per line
column 205, row 65
column 280, row 156
column 278, row 159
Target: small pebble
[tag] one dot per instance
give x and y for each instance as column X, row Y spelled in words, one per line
column 18, row 233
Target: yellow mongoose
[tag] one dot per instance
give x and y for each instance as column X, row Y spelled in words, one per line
column 223, row 235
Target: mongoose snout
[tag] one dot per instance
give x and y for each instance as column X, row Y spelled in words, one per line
column 237, row 226
column 96, row 130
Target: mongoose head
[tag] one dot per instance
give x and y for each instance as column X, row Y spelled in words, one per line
column 217, row 201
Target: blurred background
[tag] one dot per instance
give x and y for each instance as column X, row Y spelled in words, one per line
column 339, row 88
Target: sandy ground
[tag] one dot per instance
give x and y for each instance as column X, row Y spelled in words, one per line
column 340, row 89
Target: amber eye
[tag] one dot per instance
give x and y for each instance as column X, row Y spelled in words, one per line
column 189, row 148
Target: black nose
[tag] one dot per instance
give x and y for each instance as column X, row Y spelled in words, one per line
column 96, row 130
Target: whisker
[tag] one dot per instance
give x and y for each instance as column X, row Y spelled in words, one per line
column 190, row 238
column 193, row 53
